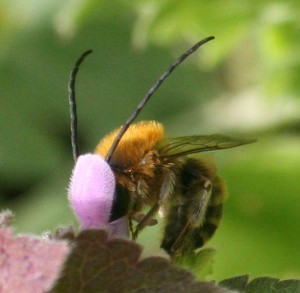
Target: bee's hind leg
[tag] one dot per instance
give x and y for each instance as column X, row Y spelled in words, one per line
column 213, row 216
column 189, row 206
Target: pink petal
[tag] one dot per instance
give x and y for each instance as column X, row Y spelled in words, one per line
column 91, row 191
column 119, row 227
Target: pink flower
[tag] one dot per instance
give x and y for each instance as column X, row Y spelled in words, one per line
column 91, row 194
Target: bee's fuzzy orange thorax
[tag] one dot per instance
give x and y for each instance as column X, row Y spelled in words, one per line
column 139, row 139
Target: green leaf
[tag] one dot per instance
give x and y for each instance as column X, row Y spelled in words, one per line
column 288, row 286
column 199, row 263
column 261, row 285
column 236, row 283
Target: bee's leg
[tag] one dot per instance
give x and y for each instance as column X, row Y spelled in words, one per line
column 165, row 191
column 131, row 228
column 167, row 186
column 204, row 232
column 188, row 206
column 140, row 216
column 183, row 218
column 144, row 222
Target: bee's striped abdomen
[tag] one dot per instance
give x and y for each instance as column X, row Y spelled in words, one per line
column 196, row 207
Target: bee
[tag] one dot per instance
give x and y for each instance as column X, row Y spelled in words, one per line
column 159, row 173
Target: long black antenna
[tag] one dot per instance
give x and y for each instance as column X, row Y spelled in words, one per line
column 72, row 103
column 151, row 92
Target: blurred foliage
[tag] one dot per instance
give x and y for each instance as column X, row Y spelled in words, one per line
column 246, row 82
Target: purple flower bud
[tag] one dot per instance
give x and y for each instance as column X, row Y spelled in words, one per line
column 91, row 191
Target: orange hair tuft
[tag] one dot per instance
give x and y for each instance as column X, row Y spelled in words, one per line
column 139, row 138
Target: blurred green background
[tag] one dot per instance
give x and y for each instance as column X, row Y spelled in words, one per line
column 244, row 83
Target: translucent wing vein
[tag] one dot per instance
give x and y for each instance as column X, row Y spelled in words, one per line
column 182, row 146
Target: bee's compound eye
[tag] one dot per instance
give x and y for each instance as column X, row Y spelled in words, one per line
column 120, row 203
column 91, row 191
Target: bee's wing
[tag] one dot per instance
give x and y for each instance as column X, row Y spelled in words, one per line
column 182, row 146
